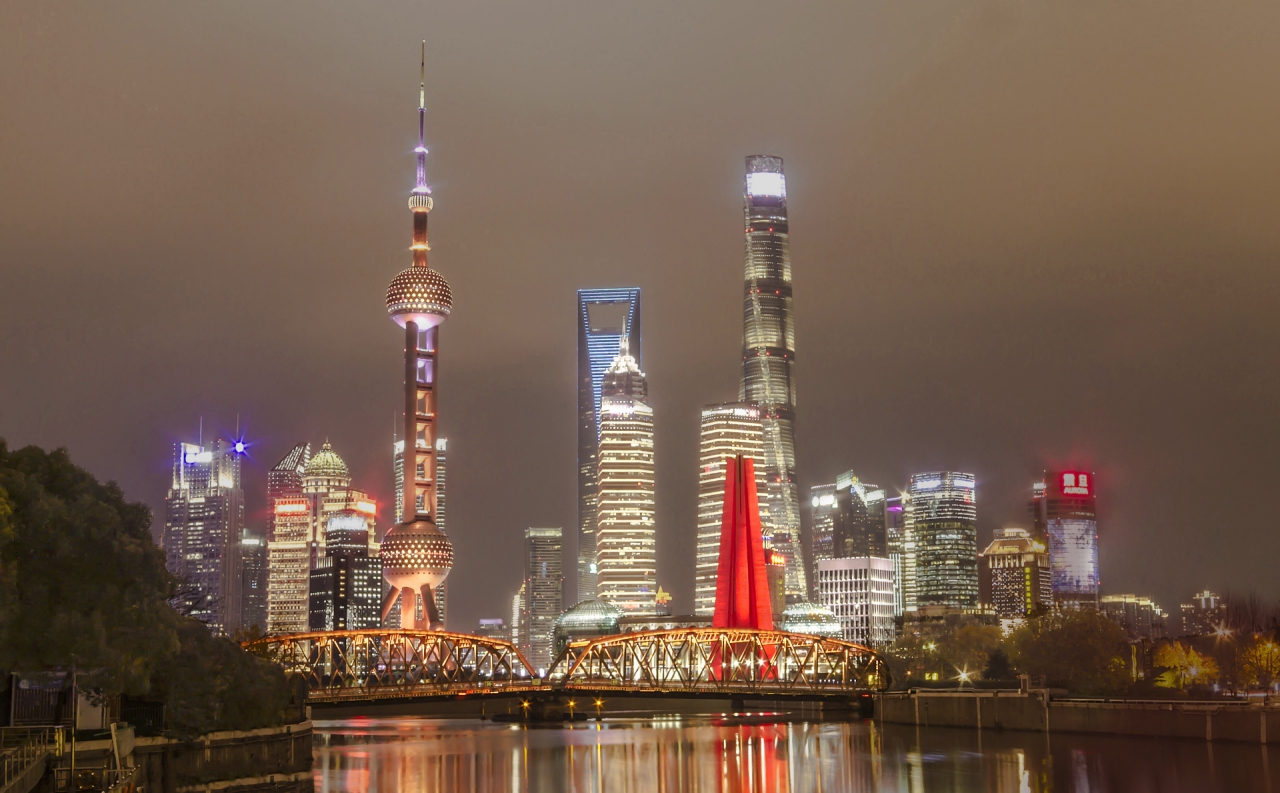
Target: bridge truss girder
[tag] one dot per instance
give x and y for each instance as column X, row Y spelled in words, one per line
column 708, row 660
column 390, row 664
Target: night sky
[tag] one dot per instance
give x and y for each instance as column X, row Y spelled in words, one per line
column 1023, row 235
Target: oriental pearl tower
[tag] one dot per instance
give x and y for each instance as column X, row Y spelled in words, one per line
column 416, row 554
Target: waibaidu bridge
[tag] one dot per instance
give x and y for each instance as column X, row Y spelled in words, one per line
column 740, row 659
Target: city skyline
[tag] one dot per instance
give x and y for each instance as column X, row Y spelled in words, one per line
column 928, row 235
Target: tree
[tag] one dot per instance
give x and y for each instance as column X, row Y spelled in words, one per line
column 83, row 586
column 83, row 583
column 1079, row 649
column 968, row 648
column 998, row 666
column 1260, row 661
column 1184, row 666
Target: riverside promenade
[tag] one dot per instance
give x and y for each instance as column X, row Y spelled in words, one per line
column 1040, row 710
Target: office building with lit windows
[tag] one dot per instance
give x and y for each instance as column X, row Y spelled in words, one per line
column 859, row 591
column 895, row 538
column 626, row 541
column 848, row 520
column 541, row 595
column 727, row 430
column 1140, row 617
column 253, row 581
column 1205, row 615
column 1016, row 567
column 345, row 589
column 299, row 541
column 944, row 523
column 822, row 526
column 204, row 521
column 1065, row 516
column 605, row 318
column 768, row 355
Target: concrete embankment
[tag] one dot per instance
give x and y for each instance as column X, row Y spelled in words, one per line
column 275, row 759
column 1040, row 711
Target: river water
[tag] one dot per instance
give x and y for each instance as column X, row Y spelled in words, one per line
column 758, row 754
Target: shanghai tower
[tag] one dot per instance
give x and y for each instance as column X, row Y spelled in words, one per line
column 768, row 354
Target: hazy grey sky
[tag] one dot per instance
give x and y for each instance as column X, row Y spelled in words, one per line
column 1023, row 234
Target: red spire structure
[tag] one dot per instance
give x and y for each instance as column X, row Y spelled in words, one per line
column 742, row 586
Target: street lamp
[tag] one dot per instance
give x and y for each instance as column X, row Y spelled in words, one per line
column 572, row 705
column 599, row 705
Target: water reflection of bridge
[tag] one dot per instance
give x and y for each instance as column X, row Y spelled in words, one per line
column 386, row 665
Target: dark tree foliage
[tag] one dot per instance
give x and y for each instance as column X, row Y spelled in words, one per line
column 998, row 666
column 213, row 684
column 1079, row 649
column 83, row 585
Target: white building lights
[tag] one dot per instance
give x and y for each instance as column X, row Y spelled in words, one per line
column 626, row 549
column 728, row 430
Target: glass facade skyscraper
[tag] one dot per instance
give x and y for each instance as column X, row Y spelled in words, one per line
column 541, row 596
column 626, row 549
column 728, row 430
column 1064, row 513
column 944, row 524
column 605, row 317
column 204, row 520
column 768, row 354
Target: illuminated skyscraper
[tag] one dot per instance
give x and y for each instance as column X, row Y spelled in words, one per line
column 299, row 543
column 416, row 554
column 859, row 591
column 1017, row 570
column 728, row 430
column 253, row 581
column 944, row 521
column 345, row 590
column 397, row 450
column 896, row 537
column 605, row 318
column 768, row 354
column 1064, row 510
column 848, row 520
column 204, row 518
column 541, row 595
column 626, row 550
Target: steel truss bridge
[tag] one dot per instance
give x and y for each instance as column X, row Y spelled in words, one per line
column 388, row 665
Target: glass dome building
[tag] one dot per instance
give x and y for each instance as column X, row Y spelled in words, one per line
column 586, row 620
column 811, row 619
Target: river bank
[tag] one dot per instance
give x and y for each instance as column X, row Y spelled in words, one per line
column 1042, row 711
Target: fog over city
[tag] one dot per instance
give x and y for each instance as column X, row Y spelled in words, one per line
column 1023, row 237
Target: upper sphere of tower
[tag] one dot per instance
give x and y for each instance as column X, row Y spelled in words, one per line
column 327, row 464
column 421, row 295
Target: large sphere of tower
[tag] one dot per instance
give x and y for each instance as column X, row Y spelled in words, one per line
column 421, row 295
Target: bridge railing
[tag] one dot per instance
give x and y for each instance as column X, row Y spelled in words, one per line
column 389, row 663
column 724, row 660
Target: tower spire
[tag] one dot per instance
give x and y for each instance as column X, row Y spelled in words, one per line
column 420, row 199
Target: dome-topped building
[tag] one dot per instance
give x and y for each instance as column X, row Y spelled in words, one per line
column 586, row 620
column 811, row 619
column 416, row 554
column 325, row 471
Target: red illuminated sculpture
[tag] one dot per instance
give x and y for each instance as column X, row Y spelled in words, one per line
column 742, row 589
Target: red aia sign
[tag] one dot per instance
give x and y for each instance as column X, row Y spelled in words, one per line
column 1075, row 483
